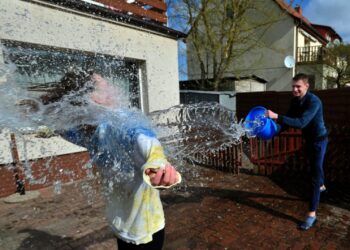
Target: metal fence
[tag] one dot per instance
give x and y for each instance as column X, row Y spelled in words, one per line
column 275, row 152
column 228, row 159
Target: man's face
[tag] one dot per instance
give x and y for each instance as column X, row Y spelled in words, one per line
column 299, row 88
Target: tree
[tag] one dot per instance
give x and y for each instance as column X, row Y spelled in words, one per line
column 337, row 59
column 222, row 31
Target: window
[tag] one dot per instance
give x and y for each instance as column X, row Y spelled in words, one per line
column 307, row 41
column 312, row 81
column 41, row 64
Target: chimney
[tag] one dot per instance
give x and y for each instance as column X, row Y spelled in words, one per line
column 298, row 10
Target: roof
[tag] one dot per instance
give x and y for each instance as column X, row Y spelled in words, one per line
column 195, row 83
column 327, row 30
column 101, row 10
column 304, row 23
column 292, row 11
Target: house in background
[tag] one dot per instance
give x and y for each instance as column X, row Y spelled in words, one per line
column 190, row 92
column 312, row 42
column 128, row 43
column 292, row 38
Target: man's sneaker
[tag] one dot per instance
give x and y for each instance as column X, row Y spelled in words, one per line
column 308, row 223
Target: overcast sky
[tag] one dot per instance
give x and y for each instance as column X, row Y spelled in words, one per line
column 334, row 13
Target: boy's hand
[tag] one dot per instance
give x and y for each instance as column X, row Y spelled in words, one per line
column 163, row 176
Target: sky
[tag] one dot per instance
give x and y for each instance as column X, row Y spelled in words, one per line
column 334, row 13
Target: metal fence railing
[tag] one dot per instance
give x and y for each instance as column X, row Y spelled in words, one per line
column 228, row 159
column 275, row 152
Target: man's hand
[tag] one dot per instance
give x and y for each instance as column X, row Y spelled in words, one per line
column 271, row 114
column 163, row 176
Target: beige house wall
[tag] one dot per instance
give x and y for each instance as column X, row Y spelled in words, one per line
column 39, row 24
column 266, row 60
column 319, row 71
column 316, row 70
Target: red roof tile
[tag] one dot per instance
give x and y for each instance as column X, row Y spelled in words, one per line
column 304, row 22
column 291, row 10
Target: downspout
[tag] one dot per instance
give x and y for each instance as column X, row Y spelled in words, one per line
column 20, row 188
column 295, row 48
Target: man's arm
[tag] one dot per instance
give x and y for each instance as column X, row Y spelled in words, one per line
column 305, row 118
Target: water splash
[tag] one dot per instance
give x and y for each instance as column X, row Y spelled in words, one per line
column 57, row 187
column 184, row 130
column 187, row 130
column 251, row 127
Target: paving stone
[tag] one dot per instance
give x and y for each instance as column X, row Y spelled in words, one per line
column 215, row 210
column 18, row 198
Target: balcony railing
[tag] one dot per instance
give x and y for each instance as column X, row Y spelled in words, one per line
column 310, row 54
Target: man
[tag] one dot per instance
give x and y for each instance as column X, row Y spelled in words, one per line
column 306, row 113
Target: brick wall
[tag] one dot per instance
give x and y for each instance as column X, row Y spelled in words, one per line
column 7, row 180
column 65, row 168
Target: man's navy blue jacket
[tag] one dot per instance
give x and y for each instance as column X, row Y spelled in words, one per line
column 306, row 114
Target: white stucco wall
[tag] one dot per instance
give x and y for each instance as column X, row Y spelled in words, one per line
column 29, row 22
column 301, row 39
column 31, row 147
column 228, row 100
column 249, row 85
column 33, row 23
column 5, row 148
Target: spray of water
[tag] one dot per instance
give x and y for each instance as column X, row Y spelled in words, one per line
column 251, row 127
column 184, row 130
column 198, row 128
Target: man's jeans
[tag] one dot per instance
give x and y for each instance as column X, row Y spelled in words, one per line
column 316, row 151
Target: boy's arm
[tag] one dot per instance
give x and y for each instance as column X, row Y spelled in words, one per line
column 157, row 171
column 80, row 136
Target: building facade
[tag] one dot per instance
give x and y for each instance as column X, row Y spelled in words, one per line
column 128, row 43
column 144, row 58
column 290, row 36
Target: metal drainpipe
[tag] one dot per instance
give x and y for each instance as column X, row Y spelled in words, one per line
column 20, row 188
